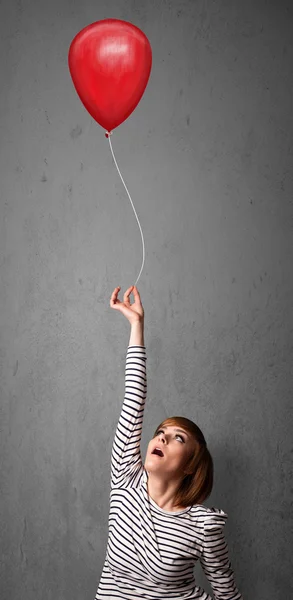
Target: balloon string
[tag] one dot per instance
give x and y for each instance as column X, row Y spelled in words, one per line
column 143, row 251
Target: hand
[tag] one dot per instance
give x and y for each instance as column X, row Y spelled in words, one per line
column 133, row 312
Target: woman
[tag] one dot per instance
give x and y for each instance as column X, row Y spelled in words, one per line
column 158, row 526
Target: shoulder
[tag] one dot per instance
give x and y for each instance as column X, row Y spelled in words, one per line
column 209, row 518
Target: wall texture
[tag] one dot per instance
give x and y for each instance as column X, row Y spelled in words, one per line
column 207, row 156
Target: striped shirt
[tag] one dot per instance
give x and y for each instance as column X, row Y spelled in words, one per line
column 151, row 552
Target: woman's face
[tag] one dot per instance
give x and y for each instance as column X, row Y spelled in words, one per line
column 175, row 446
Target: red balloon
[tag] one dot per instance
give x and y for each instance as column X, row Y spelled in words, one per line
column 110, row 63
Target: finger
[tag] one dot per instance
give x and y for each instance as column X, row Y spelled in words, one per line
column 127, row 294
column 115, row 304
column 116, row 289
column 114, row 296
column 136, row 294
column 116, row 292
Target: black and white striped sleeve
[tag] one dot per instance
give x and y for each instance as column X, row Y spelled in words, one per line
column 215, row 559
column 126, row 456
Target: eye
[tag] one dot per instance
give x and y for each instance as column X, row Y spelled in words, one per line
column 177, row 435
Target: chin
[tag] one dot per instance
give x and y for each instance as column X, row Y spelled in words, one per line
column 150, row 466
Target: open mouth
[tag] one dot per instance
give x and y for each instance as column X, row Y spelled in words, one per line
column 158, row 452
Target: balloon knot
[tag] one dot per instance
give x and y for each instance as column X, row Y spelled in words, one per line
column 108, row 133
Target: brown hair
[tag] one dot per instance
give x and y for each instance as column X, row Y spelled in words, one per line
column 198, row 472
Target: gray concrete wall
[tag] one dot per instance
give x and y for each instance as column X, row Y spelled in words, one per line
column 207, row 156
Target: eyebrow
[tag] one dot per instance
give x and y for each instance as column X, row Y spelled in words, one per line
column 182, row 430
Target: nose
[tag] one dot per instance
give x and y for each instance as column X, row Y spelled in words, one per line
column 162, row 438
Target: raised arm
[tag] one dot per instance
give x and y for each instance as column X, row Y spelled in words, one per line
column 126, row 460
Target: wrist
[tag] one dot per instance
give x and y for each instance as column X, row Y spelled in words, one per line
column 137, row 322
column 137, row 333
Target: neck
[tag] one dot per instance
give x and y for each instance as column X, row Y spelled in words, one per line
column 163, row 491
